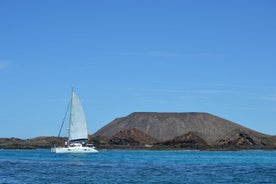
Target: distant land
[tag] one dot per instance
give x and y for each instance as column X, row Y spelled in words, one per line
column 153, row 130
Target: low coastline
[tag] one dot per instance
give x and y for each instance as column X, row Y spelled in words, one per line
column 47, row 142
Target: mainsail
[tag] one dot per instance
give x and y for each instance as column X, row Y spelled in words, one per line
column 77, row 124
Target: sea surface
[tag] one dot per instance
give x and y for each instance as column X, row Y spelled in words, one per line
column 117, row 166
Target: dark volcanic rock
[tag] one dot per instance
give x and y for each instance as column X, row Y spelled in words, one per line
column 99, row 141
column 136, row 135
column 47, row 142
column 38, row 142
column 125, row 141
column 187, row 141
column 131, row 139
column 242, row 139
column 12, row 143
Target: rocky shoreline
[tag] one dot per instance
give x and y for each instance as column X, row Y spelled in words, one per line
column 189, row 141
column 35, row 143
column 130, row 140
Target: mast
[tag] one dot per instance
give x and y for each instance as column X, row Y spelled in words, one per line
column 71, row 102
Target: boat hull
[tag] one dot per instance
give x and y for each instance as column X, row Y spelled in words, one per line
column 74, row 150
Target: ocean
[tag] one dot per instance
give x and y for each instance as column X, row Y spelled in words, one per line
column 128, row 166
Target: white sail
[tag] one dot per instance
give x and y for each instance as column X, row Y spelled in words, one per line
column 78, row 135
column 77, row 125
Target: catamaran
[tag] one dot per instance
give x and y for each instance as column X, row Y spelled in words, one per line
column 78, row 135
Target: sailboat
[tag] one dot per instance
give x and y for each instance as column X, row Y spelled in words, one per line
column 78, row 135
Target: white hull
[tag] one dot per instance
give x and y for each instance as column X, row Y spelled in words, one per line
column 74, row 150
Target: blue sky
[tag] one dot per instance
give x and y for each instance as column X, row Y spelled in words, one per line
column 127, row 56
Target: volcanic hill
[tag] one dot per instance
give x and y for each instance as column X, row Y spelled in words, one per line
column 183, row 130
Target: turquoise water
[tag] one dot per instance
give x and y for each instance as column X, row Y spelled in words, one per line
column 41, row 166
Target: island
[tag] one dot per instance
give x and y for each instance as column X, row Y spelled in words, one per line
column 163, row 131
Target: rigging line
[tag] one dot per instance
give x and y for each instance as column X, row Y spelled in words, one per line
column 67, row 109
